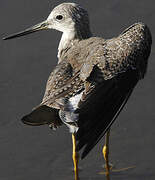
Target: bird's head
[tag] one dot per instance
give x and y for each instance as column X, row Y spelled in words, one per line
column 66, row 17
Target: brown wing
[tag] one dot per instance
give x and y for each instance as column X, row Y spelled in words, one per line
column 63, row 82
column 130, row 49
column 125, row 63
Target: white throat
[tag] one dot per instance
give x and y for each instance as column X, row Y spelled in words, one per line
column 66, row 39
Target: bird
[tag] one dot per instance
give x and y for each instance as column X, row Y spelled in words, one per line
column 92, row 81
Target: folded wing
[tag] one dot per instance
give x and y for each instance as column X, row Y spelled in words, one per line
column 125, row 63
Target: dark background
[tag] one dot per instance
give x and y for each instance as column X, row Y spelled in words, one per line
column 37, row 153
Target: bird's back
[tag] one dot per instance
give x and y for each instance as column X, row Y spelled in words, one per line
column 130, row 49
column 111, row 67
column 125, row 63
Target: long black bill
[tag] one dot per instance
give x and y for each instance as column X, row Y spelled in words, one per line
column 41, row 26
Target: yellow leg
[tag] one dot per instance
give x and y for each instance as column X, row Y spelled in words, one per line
column 108, row 166
column 75, row 158
column 106, row 155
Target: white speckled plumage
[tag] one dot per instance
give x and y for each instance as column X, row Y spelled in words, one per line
column 94, row 76
column 93, row 79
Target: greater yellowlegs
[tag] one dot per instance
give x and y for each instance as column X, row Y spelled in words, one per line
column 93, row 79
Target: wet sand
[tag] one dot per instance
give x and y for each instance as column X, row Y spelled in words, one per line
column 38, row 153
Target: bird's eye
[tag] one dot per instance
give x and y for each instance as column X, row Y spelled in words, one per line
column 59, row 17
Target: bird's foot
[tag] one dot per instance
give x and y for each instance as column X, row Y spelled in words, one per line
column 112, row 169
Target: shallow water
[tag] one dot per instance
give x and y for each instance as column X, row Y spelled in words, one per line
column 38, row 153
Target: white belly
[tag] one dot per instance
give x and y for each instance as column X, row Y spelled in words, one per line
column 68, row 116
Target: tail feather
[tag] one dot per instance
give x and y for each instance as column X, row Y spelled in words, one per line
column 42, row 115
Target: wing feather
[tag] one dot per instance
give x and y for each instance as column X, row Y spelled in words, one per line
column 105, row 103
column 63, row 82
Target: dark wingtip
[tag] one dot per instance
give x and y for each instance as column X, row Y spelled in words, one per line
column 24, row 120
column 28, row 121
column 83, row 156
column 42, row 115
column 84, row 153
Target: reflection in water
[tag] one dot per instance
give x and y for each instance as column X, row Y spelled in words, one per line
column 114, row 171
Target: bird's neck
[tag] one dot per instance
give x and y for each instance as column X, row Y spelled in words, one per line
column 68, row 38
